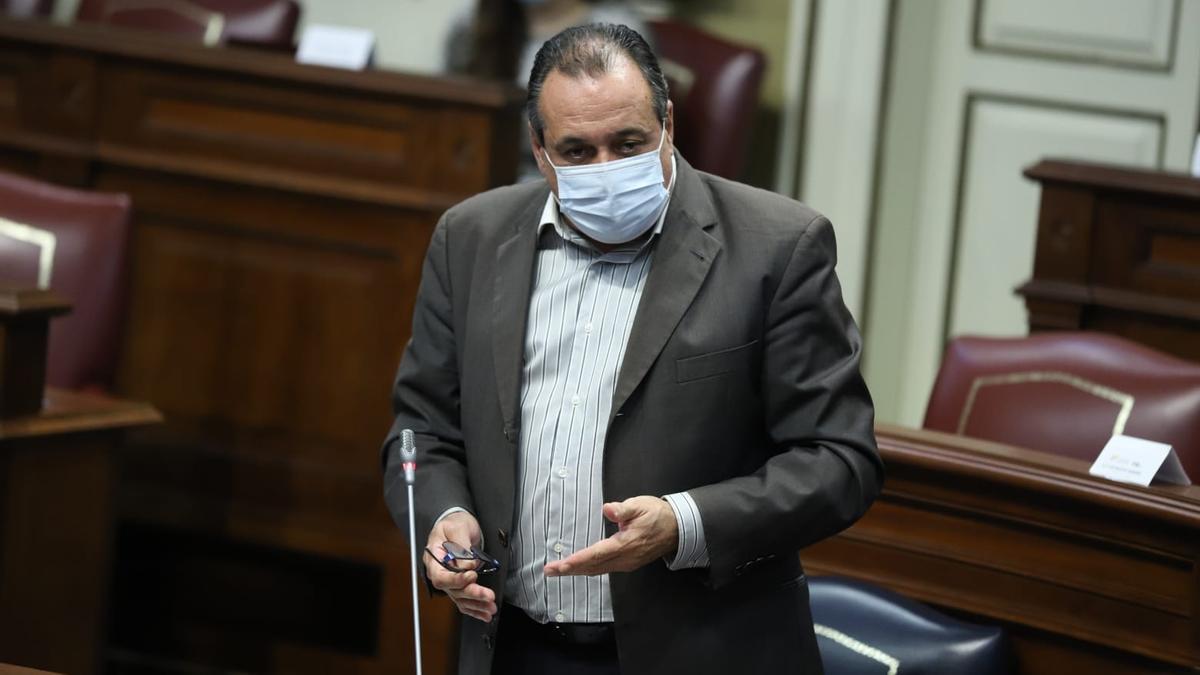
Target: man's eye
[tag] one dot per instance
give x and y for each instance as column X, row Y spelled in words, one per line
column 574, row 153
column 629, row 147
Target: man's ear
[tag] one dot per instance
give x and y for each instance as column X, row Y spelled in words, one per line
column 671, row 121
column 535, row 146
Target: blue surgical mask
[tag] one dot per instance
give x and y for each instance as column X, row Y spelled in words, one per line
column 613, row 202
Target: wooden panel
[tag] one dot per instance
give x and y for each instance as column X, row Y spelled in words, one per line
column 1175, row 251
column 401, row 142
column 281, row 216
column 52, row 93
column 1137, row 34
column 1076, row 564
column 998, row 209
column 16, row 70
column 1088, row 575
column 324, row 270
column 6, row 669
column 1145, row 246
column 56, row 510
column 8, row 100
column 1118, row 251
column 1064, row 234
column 55, row 567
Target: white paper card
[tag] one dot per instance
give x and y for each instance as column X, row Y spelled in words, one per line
column 1196, row 158
column 336, row 47
column 1128, row 459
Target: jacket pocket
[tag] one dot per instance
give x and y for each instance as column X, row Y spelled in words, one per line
column 711, row 364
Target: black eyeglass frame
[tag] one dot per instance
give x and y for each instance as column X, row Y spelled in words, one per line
column 456, row 554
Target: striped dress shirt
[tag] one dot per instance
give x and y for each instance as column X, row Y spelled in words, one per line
column 580, row 316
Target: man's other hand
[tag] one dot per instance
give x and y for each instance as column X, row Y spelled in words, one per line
column 471, row 598
column 646, row 531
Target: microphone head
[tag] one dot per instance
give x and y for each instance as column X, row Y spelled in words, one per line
column 408, row 446
column 408, row 453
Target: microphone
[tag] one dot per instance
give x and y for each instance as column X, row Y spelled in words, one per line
column 408, row 452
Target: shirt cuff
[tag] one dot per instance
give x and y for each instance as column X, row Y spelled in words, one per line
column 456, row 509
column 452, row 509
column 692, row 550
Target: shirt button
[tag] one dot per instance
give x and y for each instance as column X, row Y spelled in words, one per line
column 558, row 548
column 560, row 617
column 562, row 473
column 575, row 400
column 587, row 328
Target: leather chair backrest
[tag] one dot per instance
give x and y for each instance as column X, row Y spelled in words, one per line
column 27, row 8
column 714, row 85
column 864, row 629
column 75, row 242
column 1067, row 393
column 268, row 23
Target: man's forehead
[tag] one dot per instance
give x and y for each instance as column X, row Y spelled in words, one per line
column 612, row 101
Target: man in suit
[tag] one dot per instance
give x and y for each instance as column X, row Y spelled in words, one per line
column 637, row 387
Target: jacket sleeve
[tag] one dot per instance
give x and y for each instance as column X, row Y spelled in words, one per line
column 819, row 418
column 425, row 398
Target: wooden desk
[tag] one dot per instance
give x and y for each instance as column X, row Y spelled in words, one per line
column 6, row 669
column 281, row 215
column 56, row 475
column 1118, row 250
column 1088, row 575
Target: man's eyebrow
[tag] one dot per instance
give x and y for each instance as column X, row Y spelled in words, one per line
column 568, row 141
column 632, row 131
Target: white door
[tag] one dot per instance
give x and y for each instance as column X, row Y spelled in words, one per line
column 975, row 93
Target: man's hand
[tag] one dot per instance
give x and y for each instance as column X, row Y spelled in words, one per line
column 647, row 532
column 471, row 598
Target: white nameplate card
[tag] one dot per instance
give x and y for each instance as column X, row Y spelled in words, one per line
column 1196, row 158
column 336, row 47
column 1135, row 460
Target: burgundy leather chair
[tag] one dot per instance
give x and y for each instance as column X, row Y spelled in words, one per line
column 27, row 8
column 265, row 23
column 75, row 243
column 1067, row 393
column 714, row 84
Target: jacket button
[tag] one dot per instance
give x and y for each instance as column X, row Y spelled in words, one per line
column 503, row 537
column 487, row 642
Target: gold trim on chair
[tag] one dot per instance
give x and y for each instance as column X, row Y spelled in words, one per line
column 858, row 647
column 1087, row 386
column 214, row 22
column 43, row 239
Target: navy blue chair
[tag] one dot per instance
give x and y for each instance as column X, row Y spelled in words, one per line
column 867, row 630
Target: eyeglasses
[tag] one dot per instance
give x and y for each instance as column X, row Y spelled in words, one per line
column 459, row 559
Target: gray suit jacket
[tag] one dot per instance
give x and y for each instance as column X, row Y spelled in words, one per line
column 740, row 384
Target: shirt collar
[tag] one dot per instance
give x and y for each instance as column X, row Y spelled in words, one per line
column 551, row 217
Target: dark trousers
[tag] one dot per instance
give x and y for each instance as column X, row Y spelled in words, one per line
column 526, row 647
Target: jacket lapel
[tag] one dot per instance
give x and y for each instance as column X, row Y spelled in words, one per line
column 510, row 309
column 681, row 263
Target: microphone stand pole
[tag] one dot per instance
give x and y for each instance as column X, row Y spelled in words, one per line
column 408, row 451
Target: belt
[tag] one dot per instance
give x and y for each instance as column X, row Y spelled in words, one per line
column 569, row 634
